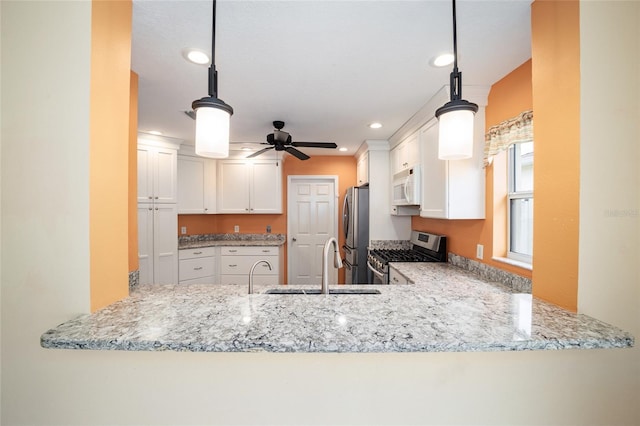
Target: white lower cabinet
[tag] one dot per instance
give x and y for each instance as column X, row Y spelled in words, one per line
column 157, row 243
column 396, row 277
column 236, row 263
column 198, row 266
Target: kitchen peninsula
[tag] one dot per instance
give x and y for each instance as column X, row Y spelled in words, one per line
column 446, row 309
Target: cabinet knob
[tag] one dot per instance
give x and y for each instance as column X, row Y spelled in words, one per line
column 150, row 209
column 294, row 239
column 247, row 209
column 157, row 198
column 150, row 197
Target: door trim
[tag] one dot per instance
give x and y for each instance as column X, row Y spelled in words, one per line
column 317, row 178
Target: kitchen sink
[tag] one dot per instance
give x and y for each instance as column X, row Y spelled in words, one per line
column 318, row 291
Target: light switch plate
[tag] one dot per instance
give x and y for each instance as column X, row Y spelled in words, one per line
column 236, row 228
column 183, row 230
column 479, row 251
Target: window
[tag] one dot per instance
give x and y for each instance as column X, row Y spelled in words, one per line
column 520, row 202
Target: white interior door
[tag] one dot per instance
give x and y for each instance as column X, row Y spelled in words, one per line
column 312, row 218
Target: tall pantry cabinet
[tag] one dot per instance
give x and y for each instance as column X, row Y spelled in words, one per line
column 157, row 211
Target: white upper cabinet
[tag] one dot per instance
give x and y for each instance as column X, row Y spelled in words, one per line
column 157, row 174
column 249, row 187
column 452, row 189
column 196, row 185
column 362, row 169
column 406, row 154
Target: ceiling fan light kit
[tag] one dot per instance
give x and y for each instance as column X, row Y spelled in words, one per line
column 212, row 114
column 455, row 118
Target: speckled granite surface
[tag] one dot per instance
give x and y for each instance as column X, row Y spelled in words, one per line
column 448, row 309
column 516, row 283
column 390, row 244
column 236, row 239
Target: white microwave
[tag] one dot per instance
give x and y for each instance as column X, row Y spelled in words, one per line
column 406, row 187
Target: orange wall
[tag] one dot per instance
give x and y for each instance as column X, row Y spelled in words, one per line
column 507, row 98
column 343, row 167
column 133, row 173
column 555, row 46
column 109, row 151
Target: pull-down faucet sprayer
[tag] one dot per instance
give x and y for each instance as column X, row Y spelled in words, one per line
column 337, row 262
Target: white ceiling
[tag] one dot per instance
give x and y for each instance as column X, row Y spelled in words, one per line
column 326, row 68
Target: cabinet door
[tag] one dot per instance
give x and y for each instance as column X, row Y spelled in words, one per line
column 266, row 188
column 165, row 244
column 412, row 151
column 191, row 178
column 165, row 183
column 145, row 174
column 233, row 187
column 145, row 243
column 362, row 169
column 434, row 176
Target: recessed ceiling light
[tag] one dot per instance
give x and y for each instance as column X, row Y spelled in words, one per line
column 442, row 60
column 196, row 56
column 155, row 132
column 375, row 125
column 342, row 149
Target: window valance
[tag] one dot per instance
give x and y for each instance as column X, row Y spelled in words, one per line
column 501, row 136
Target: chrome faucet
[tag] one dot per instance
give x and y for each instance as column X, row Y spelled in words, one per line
column 251, row 273
column 337, row 262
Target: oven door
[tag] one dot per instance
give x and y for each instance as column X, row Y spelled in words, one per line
column 376, row 277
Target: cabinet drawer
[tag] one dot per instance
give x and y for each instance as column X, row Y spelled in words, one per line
column 230, row 265
column 196, row 268
column 395, row 277
column 244, row 279
column 196, row 252
column 204, row 280
column 249, row 251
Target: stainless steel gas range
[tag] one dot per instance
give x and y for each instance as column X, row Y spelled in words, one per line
column 425, row 248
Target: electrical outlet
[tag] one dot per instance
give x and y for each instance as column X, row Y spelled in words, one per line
column 183, row 230
column 236, row 228
column 479, row 251
column 268, row 229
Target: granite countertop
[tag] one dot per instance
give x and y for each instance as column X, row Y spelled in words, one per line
column 235, row 239
column 446, row 310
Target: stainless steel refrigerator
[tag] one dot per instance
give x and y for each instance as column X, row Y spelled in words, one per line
column 355, row 222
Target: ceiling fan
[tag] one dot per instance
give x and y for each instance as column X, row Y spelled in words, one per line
column 281, row 141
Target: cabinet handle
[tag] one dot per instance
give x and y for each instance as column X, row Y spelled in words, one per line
column 150, row 197
column 197, row 268
column 150, row 209
column 232, row 266
column 266, row 251
column 197, row 252
column 156, row 208
column 233, row 251
column 157, row 198
column 247, row 209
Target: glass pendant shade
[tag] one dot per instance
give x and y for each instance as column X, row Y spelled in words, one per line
column 455, row 135
column 212, row 132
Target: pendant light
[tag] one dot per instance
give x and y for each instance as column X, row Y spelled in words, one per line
column 212, row 114
column 455, row 118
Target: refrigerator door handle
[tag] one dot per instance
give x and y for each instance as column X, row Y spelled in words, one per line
column 345, row 216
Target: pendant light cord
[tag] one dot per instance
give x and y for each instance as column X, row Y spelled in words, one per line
column 455, row 79
column 213, row 74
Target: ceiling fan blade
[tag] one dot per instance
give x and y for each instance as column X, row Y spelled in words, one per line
column 296, row 153
column 255, row 154
column 315, row 144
